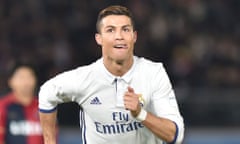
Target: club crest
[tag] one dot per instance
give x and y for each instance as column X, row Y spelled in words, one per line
column 141, row 100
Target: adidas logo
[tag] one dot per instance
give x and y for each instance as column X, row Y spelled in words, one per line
column 95, row 101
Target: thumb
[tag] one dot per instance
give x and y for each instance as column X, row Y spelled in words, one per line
column 130, row 89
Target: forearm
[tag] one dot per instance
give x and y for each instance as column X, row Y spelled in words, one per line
column 164, row 128
column 161, row 127
column 48, row 123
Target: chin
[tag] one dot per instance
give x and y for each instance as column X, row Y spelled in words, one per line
column 120, row 61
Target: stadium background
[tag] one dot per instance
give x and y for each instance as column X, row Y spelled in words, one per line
column 197, row 40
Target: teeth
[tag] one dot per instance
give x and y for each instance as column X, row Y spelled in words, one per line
column 119, row 46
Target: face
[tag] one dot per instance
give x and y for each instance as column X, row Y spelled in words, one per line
column 23, row 81
column 116, row 37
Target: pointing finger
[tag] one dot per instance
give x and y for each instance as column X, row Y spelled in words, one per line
column 130, row 89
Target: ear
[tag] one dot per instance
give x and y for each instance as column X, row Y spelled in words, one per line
column 10, row 82
column 135, row 36
column 98, row 38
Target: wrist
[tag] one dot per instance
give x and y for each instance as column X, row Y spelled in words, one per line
column 142, row 115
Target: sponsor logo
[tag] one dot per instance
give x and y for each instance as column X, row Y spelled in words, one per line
column 25, row 128
column 121, row 124
column 95, row 101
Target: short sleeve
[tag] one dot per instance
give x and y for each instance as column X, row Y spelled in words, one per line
column 49, row 97
column 60, row 89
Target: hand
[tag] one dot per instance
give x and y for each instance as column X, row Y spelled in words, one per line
column 131, row 102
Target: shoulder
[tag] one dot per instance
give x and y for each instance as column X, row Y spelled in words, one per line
column 149, row 65
column 75, row 72
column 81, row 70
column 5, row 101
column 151, row 71
column 155, row 74
column 72, row 78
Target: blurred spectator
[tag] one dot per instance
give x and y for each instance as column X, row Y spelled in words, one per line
column 19, row 121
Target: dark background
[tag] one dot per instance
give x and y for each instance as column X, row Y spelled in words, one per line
column 197, row 40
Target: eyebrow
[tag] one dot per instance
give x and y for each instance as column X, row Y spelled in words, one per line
column 124, row 26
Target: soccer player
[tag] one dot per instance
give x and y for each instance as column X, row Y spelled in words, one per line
column 19, row 119
column 124, row 98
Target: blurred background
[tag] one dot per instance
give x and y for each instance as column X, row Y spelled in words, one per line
column 197, row 40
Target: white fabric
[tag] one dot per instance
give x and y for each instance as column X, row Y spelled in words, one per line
column 103, row 118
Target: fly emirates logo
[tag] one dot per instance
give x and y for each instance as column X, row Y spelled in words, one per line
column 121, row 124
column 25, row 128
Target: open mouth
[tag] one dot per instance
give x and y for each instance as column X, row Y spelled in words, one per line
column 120, row 46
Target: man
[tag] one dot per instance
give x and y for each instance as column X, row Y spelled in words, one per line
column 124, row 98
column 19, row 120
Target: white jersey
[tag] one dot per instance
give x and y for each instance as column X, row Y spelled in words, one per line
column 103, row 118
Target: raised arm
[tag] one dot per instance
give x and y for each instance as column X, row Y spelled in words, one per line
column 164, row 120
column 48, row 123
column 164, row 128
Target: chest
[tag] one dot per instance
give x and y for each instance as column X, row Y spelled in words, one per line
column 22, row 120
column 105, row 101
column 16, row 112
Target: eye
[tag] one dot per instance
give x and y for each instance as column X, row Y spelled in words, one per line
column 110, row 30
column 126, row 29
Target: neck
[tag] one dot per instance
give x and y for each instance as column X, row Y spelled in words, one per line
column 24, row 99
column 118, row 67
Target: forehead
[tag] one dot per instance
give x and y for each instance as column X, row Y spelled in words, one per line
column 23, row 71
column 116, row 21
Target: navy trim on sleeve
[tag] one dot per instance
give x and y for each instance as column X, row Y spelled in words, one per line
column 176, row 134
column 48, row 111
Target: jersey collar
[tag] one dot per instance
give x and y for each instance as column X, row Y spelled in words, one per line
column 127, row 77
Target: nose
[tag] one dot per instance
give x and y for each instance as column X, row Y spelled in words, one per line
column 118, row 35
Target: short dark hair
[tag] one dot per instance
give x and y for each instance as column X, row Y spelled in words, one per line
column 17, row 66
column 114, row 10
